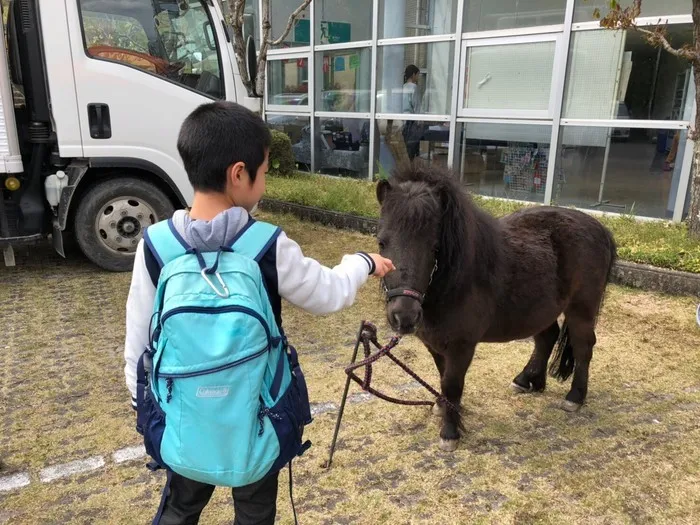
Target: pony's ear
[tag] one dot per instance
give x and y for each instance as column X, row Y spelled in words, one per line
column 383, row 187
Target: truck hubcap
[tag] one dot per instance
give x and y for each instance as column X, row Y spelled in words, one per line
column 121, row 222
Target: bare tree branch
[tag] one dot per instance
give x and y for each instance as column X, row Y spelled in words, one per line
column 619, row 18
column 290, row 22
column 657, row 37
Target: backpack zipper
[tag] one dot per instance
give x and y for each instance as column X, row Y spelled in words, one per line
column 184, row 375
column 213, row 310
column 218, row 310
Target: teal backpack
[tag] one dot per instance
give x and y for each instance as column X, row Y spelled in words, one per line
column 221, row 398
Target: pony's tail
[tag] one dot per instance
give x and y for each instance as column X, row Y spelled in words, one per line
column 562, row 366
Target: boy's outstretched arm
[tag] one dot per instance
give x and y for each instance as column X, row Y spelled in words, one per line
column 318, row 289
column 139, row 308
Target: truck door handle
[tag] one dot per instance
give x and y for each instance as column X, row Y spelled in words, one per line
column 99, row 121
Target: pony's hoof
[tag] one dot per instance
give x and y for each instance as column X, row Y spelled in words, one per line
column 518, row 389
column 570, row 406
column 448, row 445
column 438, row 410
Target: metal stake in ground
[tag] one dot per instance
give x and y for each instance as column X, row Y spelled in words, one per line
column 328, row 462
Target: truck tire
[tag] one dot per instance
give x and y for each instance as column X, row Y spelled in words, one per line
column 112, row 216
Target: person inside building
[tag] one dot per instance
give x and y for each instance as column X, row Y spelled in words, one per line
column 410, row 103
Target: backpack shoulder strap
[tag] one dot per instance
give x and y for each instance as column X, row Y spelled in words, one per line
column 255, row 239
column 164, row 242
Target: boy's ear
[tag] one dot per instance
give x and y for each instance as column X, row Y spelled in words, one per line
column 235, row 172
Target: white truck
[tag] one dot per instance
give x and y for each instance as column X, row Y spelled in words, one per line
column 92, row 96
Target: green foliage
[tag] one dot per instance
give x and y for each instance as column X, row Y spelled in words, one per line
column 282, row 161
column 662, row 244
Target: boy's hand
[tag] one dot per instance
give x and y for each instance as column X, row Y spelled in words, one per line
column 382, row 265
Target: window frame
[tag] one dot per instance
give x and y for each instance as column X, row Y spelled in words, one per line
column 281, row 108
column 509, row 113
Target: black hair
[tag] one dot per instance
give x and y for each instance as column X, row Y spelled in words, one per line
column 215, row 136
column 410, row 71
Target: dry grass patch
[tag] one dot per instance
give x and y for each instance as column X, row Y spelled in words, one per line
column 632, row 455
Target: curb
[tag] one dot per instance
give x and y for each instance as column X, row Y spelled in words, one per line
column 642, row 276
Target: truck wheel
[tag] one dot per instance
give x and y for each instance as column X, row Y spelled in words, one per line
column 112, row 216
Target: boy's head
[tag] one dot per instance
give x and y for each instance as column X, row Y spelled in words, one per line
column 224, row 148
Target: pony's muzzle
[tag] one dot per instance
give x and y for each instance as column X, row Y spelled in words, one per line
column 404, row 314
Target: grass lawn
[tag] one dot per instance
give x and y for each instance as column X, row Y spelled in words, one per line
column 660, row 244
column 632, row 455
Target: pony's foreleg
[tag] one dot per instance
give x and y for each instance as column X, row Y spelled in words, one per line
column 458, row 357
column 438, row 409
column 533, row 378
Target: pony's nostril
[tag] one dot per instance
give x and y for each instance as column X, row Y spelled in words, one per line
column 397, row 320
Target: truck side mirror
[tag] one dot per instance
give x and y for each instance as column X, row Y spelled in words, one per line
column 251, row 61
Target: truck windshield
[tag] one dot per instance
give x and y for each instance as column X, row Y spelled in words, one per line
column 171, row 39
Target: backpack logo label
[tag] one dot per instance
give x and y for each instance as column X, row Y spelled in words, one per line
column 212, row 391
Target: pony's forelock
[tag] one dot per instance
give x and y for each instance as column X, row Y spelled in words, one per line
column 423, row 193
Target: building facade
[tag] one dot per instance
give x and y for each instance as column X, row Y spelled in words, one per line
column 524, row 100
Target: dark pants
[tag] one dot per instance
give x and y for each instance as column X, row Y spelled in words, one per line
column 412, row 134
column 184, row 500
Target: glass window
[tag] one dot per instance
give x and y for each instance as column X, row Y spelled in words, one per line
column 343, row 77
column 616, row 74
column 405, row 18
column 415, row 78
column 170, row 41
column 619, row 169
column 339, row 21
column 300, row 34
column 400, row 140
column 516, row 77
column 299, row 130
column 504, row 160
column 489, row 15
column 583, row 9
column 288, row 82
column 342, row 147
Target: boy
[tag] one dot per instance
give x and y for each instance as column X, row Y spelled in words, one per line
column 224, row 149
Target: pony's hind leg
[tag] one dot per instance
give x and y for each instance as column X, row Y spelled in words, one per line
column 457, row 361
column 577, row 345
column 533, row 378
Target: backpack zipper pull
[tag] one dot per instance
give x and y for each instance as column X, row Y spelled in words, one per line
column 169, row 384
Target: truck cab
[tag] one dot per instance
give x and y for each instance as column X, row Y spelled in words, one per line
column 93, row 94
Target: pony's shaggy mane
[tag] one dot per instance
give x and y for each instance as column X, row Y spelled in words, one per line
column 465, row 230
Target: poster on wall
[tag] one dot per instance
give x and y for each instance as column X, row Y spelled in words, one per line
column 302, row 31
column 354, row 61
column 335, row 32
column 339, row 64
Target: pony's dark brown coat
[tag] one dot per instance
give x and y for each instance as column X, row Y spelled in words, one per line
column 494, row 280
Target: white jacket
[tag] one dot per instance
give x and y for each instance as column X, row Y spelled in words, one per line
column 302, row 281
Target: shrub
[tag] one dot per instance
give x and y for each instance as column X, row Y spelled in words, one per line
column 282, row 161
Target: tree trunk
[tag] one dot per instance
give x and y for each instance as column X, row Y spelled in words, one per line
column 395, row 143
column 264, row 46
column 694, row 210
